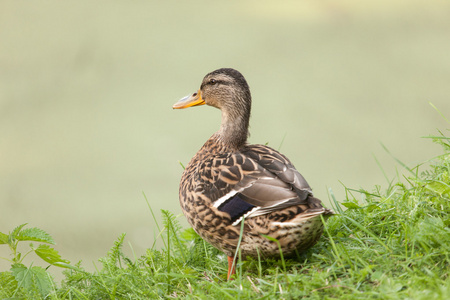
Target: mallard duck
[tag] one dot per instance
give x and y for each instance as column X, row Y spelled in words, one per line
column 230, row 181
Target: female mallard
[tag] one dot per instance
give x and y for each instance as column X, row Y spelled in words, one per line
column 228, row 181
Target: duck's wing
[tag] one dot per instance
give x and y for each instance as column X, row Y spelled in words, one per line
column 254, row 181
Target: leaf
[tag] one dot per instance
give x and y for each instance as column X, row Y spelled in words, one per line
column 33, row 277
column 15, row 232
column 438, row 187
column 189, row 234
column 371, row 207
column 20, row 273
column 350, row 205
column 35, row 234
column 3, row 238
column 51, row 256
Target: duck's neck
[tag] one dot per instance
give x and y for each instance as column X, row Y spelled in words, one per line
column 233, row 131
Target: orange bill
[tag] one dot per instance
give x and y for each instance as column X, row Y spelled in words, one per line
column 193, row 100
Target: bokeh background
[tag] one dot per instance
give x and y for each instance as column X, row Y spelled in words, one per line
column 86, row 90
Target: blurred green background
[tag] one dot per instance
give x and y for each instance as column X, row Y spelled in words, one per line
column 87, row 87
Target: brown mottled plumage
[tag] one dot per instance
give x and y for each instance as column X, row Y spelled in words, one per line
column 228, row 181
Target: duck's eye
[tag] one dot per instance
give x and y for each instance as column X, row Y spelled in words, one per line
column 212, row 81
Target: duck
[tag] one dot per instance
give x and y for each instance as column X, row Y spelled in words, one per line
column 241, row 196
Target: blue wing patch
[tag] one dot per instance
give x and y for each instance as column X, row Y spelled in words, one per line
column 235, row 207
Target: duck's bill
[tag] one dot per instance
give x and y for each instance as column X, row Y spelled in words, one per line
column 193, row 100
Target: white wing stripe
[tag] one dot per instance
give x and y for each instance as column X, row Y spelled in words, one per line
column 224, row 198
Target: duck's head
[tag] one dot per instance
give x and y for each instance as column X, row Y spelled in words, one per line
column 227, row 90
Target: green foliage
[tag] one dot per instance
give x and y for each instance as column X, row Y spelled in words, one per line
column 51, row 256
column 3, row 238
column 34, row 234
column 391, row 243
column 34, row 281
column 155, row 275
column 172, row 230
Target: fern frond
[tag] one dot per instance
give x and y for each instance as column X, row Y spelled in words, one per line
column 173, row 229
column 112, row 260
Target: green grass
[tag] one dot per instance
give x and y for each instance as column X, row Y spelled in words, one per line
column 389, row 243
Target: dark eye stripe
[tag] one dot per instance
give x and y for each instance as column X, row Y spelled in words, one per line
column 220, row 82
column 216, row 82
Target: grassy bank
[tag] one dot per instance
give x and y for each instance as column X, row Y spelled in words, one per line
column 389, row 242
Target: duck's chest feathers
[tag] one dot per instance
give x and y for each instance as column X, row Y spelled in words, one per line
column 198, row 188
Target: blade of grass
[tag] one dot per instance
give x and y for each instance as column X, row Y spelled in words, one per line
column 239, row 243
column 381, row 168
column 337, row 207
column 439, row 112
column 282, row 141
column 398, row 161
column 368, row 232
column 333, row 244
column 154, row 218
